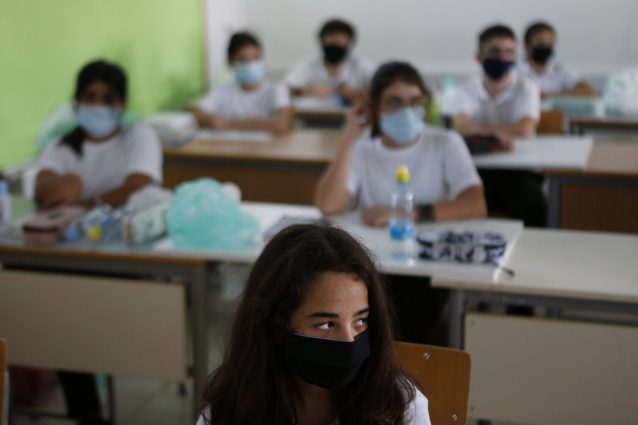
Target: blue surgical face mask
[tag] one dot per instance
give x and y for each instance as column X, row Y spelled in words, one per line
column 404, row 125
column 249, row 73
column 98, row 121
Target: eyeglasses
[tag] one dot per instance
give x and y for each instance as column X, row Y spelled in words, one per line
column 394, row 104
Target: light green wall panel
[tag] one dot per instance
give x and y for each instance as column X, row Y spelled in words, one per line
column 43, row 44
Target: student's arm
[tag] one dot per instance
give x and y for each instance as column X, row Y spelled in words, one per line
column 332, row 195
column 52, row 189
column 525, row 127
column 119, row 196
column 582, row 88
column 468, row 204
column 280, row 124
column 354, row 95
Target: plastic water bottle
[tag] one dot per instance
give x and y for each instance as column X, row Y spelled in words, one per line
column 402, row 218
column 5, row 203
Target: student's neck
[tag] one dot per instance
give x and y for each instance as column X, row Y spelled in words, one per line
column 250, row 87
column 332, row 68
column 317, row 405
column 538, row 68
column 391, row 144
column 493, row 88
column 95, row 139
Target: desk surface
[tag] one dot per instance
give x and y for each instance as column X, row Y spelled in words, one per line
column 300, row 146
column 560, row 263
column 559, row 152
column 610, row 122
column 608, row 159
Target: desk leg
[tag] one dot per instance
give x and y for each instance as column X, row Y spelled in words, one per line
column 456, row 318
column 553, row 210
column 198, row 296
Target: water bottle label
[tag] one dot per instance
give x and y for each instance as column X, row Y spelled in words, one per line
column 401, row 230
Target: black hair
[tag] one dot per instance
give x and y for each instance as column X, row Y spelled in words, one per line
column 495, row 31
column 337, row 26
column 111, row 74
column 254, row 385
column 535, row 28
column 240, row 40
column 386, row 75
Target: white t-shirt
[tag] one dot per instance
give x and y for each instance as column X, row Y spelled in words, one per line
column 521, row 99
column 416, row 413
column 354, row 71
column 553, row 79
column 439, row 162
column 104, row 166
column 231, row 102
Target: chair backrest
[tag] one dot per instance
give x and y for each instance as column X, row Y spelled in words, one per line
column 551, row 122
column 444, row 376
column 3, row 385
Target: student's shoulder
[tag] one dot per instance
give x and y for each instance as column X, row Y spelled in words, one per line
column 442, row 138
column 366, row 145
column 471, row 86
column 417, row 411
column 362, row 62
column 525, row 85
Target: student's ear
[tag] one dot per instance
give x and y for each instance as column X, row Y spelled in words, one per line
column 479, row 58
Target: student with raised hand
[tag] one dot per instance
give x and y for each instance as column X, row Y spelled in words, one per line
column 99, row 161
column 444, row 180
column 311, row 341
column 251, row 101
column 504, row 104
column 338, row 71
column 540, row 67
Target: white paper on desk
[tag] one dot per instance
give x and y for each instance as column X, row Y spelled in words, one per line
column 235, row 135
column 540, row 153
column 313, row 103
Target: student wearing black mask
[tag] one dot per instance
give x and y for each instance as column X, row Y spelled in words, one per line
column 504, row 104
column 338, row 72
column 311, row 341
column 540, row 66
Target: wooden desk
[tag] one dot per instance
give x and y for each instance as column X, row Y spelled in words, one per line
column 284, row 170
column 321, row 113
column 580, row 125
column 603, row 196
column 578, row 371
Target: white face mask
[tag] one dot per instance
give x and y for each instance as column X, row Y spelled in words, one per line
column 98, row 121
column 403, row 126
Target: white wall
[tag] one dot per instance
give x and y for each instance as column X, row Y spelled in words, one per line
column 222, row 17
column 595, row 36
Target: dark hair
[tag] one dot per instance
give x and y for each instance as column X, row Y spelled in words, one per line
column 337, row 26
column 253, row 385
column 495, row 31
column 386, row 75
column 535, row 28
column 240, row 40
column 111, row 74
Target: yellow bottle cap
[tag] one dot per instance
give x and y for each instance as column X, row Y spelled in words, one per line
column 94, row 234
column 403, row 174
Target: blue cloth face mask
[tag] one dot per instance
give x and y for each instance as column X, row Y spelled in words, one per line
column 98, row 121
column 249, row 73
column 404, row 125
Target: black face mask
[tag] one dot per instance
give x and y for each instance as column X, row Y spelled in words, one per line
column 325, row 362
column 541, row 54
column 496, row 68
column 334, row 53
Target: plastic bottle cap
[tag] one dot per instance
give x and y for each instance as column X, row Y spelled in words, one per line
column 403, row 174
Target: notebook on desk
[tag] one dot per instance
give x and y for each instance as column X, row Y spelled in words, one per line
column 249, row 136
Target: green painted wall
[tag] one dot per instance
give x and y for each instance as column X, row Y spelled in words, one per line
column 43, row 44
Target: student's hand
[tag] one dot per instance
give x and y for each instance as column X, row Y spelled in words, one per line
column 218, row 122
column 376, row 216
column 319, row 91
column 506, row 141
column 68, row 191
column 359, row 118
column 348, row 92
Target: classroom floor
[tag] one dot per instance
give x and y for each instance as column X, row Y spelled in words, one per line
column 140, row 401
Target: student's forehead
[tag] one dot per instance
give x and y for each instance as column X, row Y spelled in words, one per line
column 402, row 88
column 500, row 41
column 544, row 35
column 337, row 36
column 98, row 86
column 334, row 292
